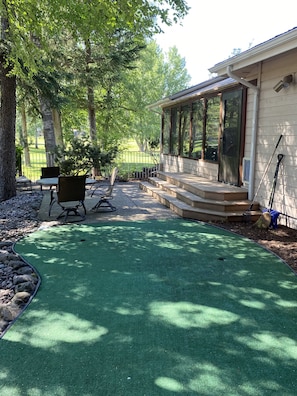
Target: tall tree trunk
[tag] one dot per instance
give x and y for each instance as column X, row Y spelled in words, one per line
column 90, row 94
column 7, row 125
column 92, row 115
column 24, row 142
column 48, row 130
column 58, row 127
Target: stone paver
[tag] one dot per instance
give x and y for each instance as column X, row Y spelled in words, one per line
column 132, row 204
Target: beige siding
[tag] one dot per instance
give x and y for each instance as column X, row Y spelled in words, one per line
column 249, row 121
column 178, row 164
column 277, row 116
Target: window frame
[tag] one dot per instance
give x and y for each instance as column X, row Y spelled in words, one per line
column 177, row 137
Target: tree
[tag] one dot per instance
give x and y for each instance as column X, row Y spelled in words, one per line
column 27, row 28
column 104, row 66
column 7, row 119
column 156, row 75
column 24, row 135
column 176, row 74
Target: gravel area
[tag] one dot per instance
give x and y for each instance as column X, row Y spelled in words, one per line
column 19, row 217
column 18, row 281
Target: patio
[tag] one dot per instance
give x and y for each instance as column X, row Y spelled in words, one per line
column 130, row 201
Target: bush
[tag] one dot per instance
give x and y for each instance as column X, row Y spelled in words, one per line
column 80, row 157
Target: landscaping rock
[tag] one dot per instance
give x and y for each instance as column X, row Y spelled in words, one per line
column 9, row 312
column 18, row 280
column 21, row 298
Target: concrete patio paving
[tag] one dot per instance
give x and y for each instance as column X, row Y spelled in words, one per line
column 132, row 204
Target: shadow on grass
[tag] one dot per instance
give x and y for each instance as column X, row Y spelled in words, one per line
column 152, row 308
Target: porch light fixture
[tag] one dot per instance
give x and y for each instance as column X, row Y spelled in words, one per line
column 284, row 83
column 287, row 80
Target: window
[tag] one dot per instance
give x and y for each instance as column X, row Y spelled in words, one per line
column 174, row 131
column 185, row 118
column 196, row 138
column 166, row 131
column 192, row 130
column 212, row 129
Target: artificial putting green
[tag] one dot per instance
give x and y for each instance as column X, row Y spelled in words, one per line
column 152, row 308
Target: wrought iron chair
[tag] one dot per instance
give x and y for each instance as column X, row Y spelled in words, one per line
column 49, row 171
column 70, row 189
column 105, row 196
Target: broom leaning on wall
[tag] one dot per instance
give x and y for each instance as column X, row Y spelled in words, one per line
column 270, row 216
column 247, row 214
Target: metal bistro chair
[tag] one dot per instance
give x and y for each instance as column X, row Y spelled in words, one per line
column 48, row 172
column 70, row 189
column 106, row 196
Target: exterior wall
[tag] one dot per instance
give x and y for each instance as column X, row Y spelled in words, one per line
column 277, row 116
column 205, row 169
column 249, row 122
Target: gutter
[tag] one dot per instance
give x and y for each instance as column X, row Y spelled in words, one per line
column 256, row 91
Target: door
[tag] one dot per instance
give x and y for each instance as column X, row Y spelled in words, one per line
column 230, row 141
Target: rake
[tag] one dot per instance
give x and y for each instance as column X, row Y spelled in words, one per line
column 247, row 214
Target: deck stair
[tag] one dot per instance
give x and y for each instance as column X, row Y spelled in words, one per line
column 198, row 198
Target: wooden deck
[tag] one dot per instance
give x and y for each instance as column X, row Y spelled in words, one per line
column 198, row 198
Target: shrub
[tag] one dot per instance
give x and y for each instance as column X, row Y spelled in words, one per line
column 80, row 157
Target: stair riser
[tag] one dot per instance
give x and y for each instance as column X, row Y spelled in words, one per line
column 216, row 196
column 221, row 207
column 189, row 214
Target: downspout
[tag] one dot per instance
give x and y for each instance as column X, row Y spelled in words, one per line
column 256, row 91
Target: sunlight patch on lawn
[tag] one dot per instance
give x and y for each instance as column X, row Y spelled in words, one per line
column 187, row 315
column 169, row 384
column 274, row 345
column 51, row 329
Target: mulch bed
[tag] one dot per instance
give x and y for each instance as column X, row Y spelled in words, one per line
column 282, row 241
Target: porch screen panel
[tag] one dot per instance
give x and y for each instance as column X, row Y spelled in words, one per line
column 197, row 130
column 212, row 129
column 230, row 142
column 185, row 118
column 166, row 131
column 174, row 136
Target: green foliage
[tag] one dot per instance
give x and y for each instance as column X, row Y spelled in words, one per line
column 80, row 156
column 175, row 72
column 32, row 32
column 98, row 68
column 156, row 75
column 33, row 26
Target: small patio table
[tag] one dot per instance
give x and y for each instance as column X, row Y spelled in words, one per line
column 53, row 182
column 23, row 182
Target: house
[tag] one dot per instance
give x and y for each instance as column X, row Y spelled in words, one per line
column 232, row 128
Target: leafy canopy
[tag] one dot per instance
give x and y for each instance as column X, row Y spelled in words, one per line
column 32, row 24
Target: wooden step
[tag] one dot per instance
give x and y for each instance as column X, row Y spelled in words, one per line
column 187, row 211
column 199, row 202
column 203, row 187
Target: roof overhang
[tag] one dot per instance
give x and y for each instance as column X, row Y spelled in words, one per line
column 215, row 85
column 276, row 46
column 242, row 65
